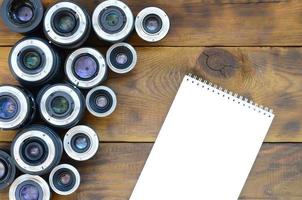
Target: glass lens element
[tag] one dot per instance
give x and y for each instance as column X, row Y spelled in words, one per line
column 29, row 192
column 24, row 13
column 66, row 23
column 101, row 101
column 81, row 143
column 121, row 58
column 34, row 151
column 152, row 24
column 65, row 178
column 60, row 105
column 2, row 170
column 32, row 60
column 85, row 67
column 8, row 107
column 112, row 19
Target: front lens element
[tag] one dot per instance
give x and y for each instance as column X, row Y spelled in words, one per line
column 8, row 107
column 81, row 143
column 32, row 60
column 121, row 58
column 101, row 101
column 60, row 105
column 24, row 13
column 65, row 178
column 65, row 22
column 112, row 19
column 2, row 170
column 152, row 23
column 29, row 192
column 85, row 67
column 34, row 151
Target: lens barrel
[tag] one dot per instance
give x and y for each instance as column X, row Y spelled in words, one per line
column 64, row 179
column 61, row 105
column 86, row 68
column 152, row 24
column 29, row 187
column 17, row 107
column 67, row 24
column 121, row 58
column 7, row 170
column 34, row 62
column 112, row 21
column 22, row 16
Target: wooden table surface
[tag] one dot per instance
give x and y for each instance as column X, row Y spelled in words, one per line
column 252, row 47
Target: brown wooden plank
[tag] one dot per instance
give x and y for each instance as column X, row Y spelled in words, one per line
column 112, row 174
column 270, row 76
column 215, row 22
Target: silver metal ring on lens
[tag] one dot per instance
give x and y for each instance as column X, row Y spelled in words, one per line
column 25, row 178
column 24, row 106
column 77, row 35
column 128, row 68
column 73, row 170
column 101, row 73
column 93, row 140
column 112, row 37
column 152, row 37
column 101, row 114
column 30, row 77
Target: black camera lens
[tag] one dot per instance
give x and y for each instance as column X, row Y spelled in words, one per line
column 81, row 143
column 34, row 62
column 152, row 24
column 61, row 105
column 17, row 107
column 86, row 68
column 22, row 16
column 29, row 187
column 7, row 170
column 112, row 20
column 64, row 179
column 101, row 101
column 121, row 58
column 67, row 24
column 36, row 150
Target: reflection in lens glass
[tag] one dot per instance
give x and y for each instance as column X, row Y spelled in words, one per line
column 33, row 151
column 81, row 143
column 65, row 178
column 85, row 67
column 60, row 105
column 152, row 24
column 66, row 23
column 29, row 192
column 101, row 101
column 24, row 13
column 112, row 19
column 2, row 170
column 8, row 107
column 32, row 60
column 121, row 58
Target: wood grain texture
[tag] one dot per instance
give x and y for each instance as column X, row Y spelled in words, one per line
column 269, row 76
column 214, row 22
column 112, row 174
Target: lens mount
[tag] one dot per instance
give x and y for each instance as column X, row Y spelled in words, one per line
column 73, row 105
column 8, row 169
column 70, row 143
column 72, row 184
column 94, row 79
column 121, row 58
column 73, row 37
column 50, row 152
column 29, row 185
column 157, row 21
column 22, row 16
column 125, row 26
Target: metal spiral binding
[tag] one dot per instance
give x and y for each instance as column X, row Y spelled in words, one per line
column 245, row 101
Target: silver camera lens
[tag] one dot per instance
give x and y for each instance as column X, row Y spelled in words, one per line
column 17, row 107
column 81, row 143
column 121, row 58
column 64, row 179
column 61, row 105
column 29, row 187
column 86, row 68
column 22, row 16
column 36, row 150
column 34, row 62
column 112, row 21
column 7, row 170
column 67, row 24
column 101, row 101
column 152, row 24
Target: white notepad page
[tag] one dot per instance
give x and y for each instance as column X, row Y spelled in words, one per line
column 206, row 146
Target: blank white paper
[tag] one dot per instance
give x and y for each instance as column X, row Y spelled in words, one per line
column 206, row 146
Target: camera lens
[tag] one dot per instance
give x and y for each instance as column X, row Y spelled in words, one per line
column 17, row 107
column 36, row 150
column 112, row 21
column 81, row 143
column 22, row 16
column 7, row 170
column 61, row 105
column 152, row 24
column 29, row 187
column 67, row 24
column 33, row 62
column 101, row 101
column 86, row 68
column 121, row 58
column 64, row 179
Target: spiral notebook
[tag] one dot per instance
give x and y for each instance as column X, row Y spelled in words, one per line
column 206, row 146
